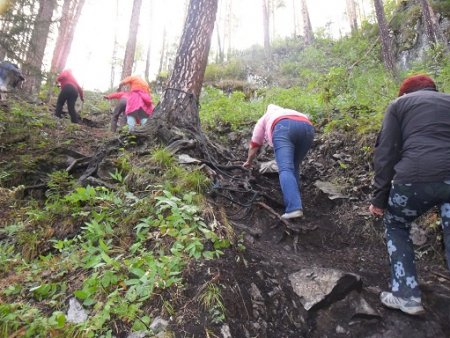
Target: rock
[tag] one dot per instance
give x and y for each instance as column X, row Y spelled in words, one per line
column 225, row 331
column 138, row 334
column 319, row 286
column 186, row 159
column 268, row 167
column 361, row 307
column 417, row 234
column 76, row 314
column 159, row 324
column 330, row 189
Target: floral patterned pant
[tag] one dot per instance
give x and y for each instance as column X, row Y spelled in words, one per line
column 406, row 203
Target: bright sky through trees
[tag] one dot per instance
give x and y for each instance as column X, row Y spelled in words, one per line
column 91, row 53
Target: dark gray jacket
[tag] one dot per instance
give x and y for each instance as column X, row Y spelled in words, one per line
column 414, row 143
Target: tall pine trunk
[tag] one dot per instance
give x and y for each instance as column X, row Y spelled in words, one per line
column 71, row 12
column 38, row 41
column 351, row 14
column 130, row 50
column 266, row 26
column 308, row 34
column 179, row 104
column 386, row 43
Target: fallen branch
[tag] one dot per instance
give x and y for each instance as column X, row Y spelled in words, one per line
column 273, row 212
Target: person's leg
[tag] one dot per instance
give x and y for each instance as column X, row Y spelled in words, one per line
column 119, row 109
column 303, row 135
column 72, row 95
column 62, row 98
column 445, row 217
column 144, row 121
column 131, row 121
column 406, row 203
column 284, row 156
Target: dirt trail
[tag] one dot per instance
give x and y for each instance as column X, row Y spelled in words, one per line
column 258, row 295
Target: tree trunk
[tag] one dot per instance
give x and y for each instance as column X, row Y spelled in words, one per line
column 351, row 14
column 71, row 12
column 147, row 61
column 429, row 21
column 132, row 36
column 163, row 51
column 266, row 24
column 114, row 62
column 386, row 50
column 179, row 104
column 307, row 27
column 38, row 42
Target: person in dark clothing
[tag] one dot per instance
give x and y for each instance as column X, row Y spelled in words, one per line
column 412, row 175
column 120, row 107
column 70, row 89
column 10, row 76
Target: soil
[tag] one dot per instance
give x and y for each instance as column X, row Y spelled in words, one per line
column 257, row 295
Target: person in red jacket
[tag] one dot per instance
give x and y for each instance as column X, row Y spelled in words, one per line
column 70, row 89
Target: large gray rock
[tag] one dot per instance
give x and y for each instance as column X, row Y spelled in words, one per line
column 76, row 313
column 320, row 286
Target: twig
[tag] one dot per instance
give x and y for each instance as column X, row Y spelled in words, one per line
column 440, row 275
column 273, row 212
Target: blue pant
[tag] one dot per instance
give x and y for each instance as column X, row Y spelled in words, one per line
column 291, row 141
column 406, row 203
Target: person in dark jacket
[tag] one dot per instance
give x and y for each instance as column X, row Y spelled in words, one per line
column 70, row 89
column 412, row 175
column 10, row 76
column 120, row 108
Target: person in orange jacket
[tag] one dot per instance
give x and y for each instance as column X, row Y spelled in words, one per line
column 70, row 89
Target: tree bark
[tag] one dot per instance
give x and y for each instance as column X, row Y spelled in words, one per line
column 114, row 62
column 266, row 25
column 386, row 50
column 351, row 14
column 163, row 51
column 428, row 18
column 147, row 60
column 179, row 103
column 71, row 12
column 36, row 50
column 307, row 27
column 132, row 37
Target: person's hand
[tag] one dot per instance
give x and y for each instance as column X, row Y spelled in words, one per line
column 105, row 97
column 375, row 211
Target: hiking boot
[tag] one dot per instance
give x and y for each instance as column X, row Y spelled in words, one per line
column 411, row 305
column 292, row 214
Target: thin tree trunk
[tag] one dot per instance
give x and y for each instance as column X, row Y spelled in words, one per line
column 71, row 12
column 307, row 27
column 132, row 37
column 386, row 50
column 115, row 48
column 147, row 61
column 36, row 50
column 266, row 25
column 229, row 26
column 351, row 14
column 428, row 18
column 163, row 51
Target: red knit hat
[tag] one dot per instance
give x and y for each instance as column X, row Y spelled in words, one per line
column 416, row 82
